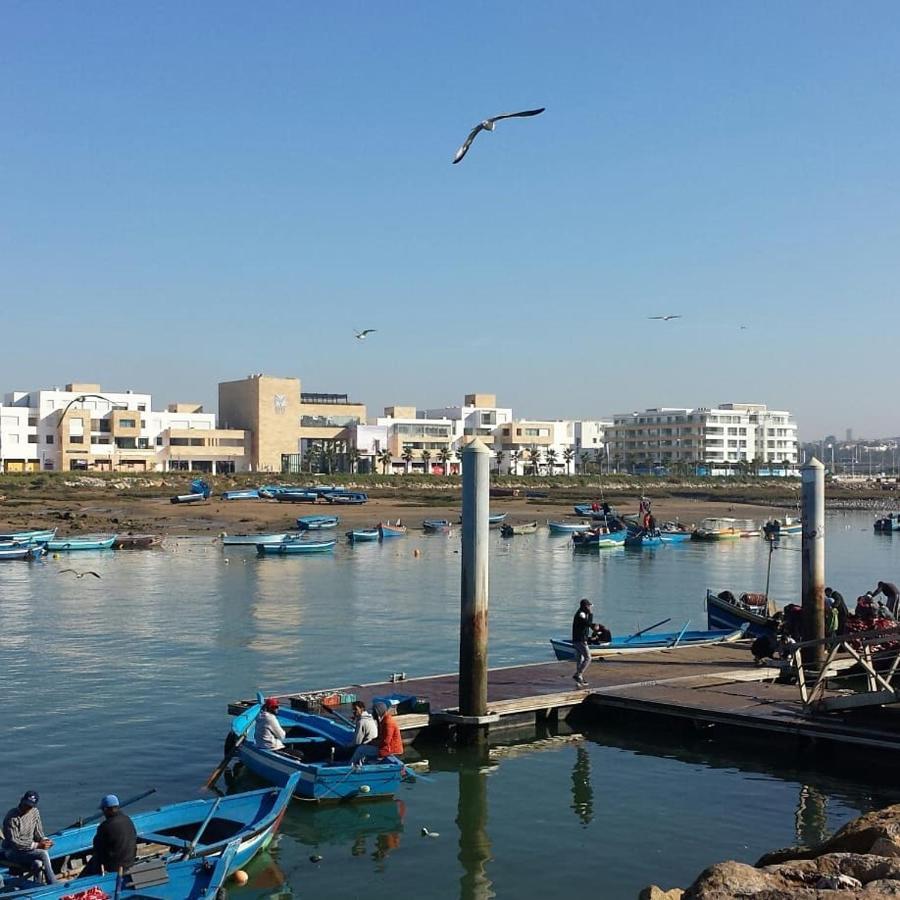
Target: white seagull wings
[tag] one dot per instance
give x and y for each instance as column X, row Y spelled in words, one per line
column 361, row 335
column 664, row 318
column 488, row 125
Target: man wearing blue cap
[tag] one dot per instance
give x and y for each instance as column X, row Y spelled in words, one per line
column 115, row 843
column 24, row 841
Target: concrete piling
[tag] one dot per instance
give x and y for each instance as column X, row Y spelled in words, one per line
column 812, row 499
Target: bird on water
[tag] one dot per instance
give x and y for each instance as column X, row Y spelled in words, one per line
column 489, row 125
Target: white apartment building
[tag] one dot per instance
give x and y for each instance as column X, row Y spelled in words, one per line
column 479, row 416
column 535, row 446
column 84, row 428
column 591, row 445
column 720, row 440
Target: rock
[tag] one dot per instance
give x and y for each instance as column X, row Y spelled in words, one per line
column 861, row 867
column 838, row 883
column 878, row 889
column 657, row 893
column 734, row 879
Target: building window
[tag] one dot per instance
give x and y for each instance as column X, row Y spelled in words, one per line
column 32, row 438
column 48, row 439
column 125, row 443
column 32, row 421
column 231, row 442
column 76, row 439
column 143, row 423
column 142, row 407
column 159, row 440
column 127, row 423
column 143, row 443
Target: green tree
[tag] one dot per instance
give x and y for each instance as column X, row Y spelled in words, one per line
column 385, row 459
column 534, row 454
column 426, row 461
column 443, row 456
column 568, row 456
column 550, row 456
column 310, row 458
column 353, row 456
column 407, row 456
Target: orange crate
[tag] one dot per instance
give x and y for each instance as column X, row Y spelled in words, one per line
column 331, row 700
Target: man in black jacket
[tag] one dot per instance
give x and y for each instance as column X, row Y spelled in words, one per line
column 115, row 843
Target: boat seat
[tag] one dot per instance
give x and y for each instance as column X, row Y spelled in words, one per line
column 164, row 839
column 312, row 739
column 148, row 874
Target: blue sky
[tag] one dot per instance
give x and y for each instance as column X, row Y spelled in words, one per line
column 193, row 192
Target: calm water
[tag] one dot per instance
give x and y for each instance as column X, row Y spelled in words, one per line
column 121, row 684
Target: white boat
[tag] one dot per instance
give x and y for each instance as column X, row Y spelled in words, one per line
column 252, row 540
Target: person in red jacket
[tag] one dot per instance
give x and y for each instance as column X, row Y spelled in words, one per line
column 388, row 742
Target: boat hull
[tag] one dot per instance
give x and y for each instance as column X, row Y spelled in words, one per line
column 593, row 540
column 288, row 548
column 724, row 614
column 253, row 540
column 436, row 526
column 27, row 551
column 66, row 545
column 251, row 494
column 646, row 642
column 391, row 531
column 363, row 535
column 317, row 523
column 136, row 541
column 568, row 527
column 512, row 530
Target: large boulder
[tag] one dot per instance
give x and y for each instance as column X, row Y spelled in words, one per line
column 739, row 880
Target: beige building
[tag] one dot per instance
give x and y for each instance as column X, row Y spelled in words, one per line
column 282, row 420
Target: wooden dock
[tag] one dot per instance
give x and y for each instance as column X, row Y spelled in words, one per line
column 717, row 685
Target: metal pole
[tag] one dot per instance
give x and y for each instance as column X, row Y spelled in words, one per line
column 473, row 625
column 812, row 496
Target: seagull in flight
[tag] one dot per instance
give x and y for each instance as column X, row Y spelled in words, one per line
column 743, row 327
column 664, row 318
column 489, row 125
column 78, row 574
column 361, row 335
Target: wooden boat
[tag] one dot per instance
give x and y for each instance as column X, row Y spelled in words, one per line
column 248, row 494
column 294, row 546
column 587, row 510
column 196, row 828
column 325, row 770
column 391, row 529
column 354, row 498
column 21, row 551
column 188, row 498
column 888, row 524
column 599, row 538
column 642, row 643
column 252, row 540
column 568, row 527
column 724, row 610
column 317, row 523
column 360, row 535
column 523, row 528
column 136, row 541
column 39, row 536
column 638, row 540
column 84, row 542
column 436, row 526
column 718, row 529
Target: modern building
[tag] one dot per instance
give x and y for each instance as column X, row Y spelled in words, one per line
column 85, row 428
column 591, row 446
column 420, row 443
column 479, row 416
column 535, row 446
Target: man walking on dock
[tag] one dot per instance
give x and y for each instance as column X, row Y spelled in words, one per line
column 582, row 626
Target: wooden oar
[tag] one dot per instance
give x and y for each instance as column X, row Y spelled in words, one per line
column 680, row 634
column 341, row 716
column 220, row 768
column 648, row 628
column 78, row 823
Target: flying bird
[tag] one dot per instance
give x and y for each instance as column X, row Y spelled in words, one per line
column 427, row 833
column 743, row 327
column 361, row 335
column 664, row 318
column 489, row 125
column 78, row 574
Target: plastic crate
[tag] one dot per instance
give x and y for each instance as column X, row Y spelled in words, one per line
column 348, row 697
column 331, row 700
column 307, row 703
column 402, row 703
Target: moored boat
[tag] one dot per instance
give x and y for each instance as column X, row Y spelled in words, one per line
column 717, row 529
column 325, row 770
column 522, row 528
column 642, row 643
column 888, row 524
column 436, row 526
column 21, row 551
column 293, row 546
column 361, row 535
column 568, row 527
column 638, row 540
column 136, row 541
column 296, row 495
column 35, row 536
column 247, row 494
column 252, row 540
column 354, row 498
column 599, row 538
column 317, row 523
column 391, row 529
column 82, row 542
column 674, row 534
column 594, row 510
column 754, row 610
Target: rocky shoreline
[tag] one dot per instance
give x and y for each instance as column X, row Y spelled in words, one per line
column 861, row 860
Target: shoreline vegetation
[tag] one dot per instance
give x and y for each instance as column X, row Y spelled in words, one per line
column 122, row 502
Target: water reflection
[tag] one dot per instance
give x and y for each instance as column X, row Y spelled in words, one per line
column 471, row 819
column 582, row 791
column 811, row 816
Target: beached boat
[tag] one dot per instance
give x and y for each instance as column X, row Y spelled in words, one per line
column 325, row 771
column 642, row 643
column 13, row 551
column 317, row 523
column 294, row 546
column 568, row 527
column 522, row 528
column 724, row 610
column 360, row 535
column 252, row 540
column 248, row 494
column 391, row 529
column 725, row 529
column 38, row 536
column 436, row 526
column 188, row 498
column 195, row 828
column 292, row 495
column 638, row 540
column 354, row 498
column 136, row 541
column 82, row 542
column 599, row 538
column 497, row 518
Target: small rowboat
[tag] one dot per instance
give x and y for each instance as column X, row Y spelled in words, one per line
column 638, row 540
column 723, row 530
column 523, row 528
column 136, row 541
column 751, row 611
column 493, row 519
column 568, row 527
column 325, row 770
column 253, row 540
column 40, row 536
column 85, row 542
column 317, row 523
column 248, row 494
column 346, row 497
column 436, row 526
column 293, row 546
column 188, row 498
column 360, row 535
column 642, row 643
column 287, row 495
column 391, row 530
column 599, row 539
column 22, row 551
column 587, row 509
column 674, row 535
column 888, row 524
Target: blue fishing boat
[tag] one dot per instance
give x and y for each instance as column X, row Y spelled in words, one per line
column 325, row 770
column 588, row 509
column 39, row 536
column 888, row 524
column 188, row 498
column 248, row 494
column 292, row 546
column 296, row 495
column 199, row 486
column 638, row 540
column 252, row 540
column 493, row 519
column 674, row 535
column 568, row 527
column 268, row 491
column 753, row 611
column 194, row 828
column 391, row 529
column 599, row 538
column 317, row 523
column 642, row 643
column 436, row 526
column 360, row 535
column 21, row 551
column 82, row 542
column 354, row 498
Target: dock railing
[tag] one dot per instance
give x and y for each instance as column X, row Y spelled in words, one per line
column 874, row 654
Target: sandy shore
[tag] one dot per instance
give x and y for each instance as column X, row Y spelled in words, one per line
column 159, row 516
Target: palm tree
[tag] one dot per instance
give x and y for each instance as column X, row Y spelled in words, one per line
column 568, row 456
column 426, row 460
column 328, row 457
column 551, row 460
column 353, row 456
column 584, row 459
column 514, row 462
column 407, row 457
column 598, row 459
column 385, row 459
column 310, row 457
column 443, row 456
column 534, row 453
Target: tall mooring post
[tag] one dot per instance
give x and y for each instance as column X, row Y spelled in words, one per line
column 473, row 623
column 812, row 501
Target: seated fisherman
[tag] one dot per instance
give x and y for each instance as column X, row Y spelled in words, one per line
column 24, row 842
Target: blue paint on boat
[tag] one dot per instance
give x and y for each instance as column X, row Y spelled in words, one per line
column 600, row 538
column 346, row 497
column 674, row 536
column 361, row 535
column 87, row 542
column 638, row 540
column 249, row 494
column 21, row 551
column 253, row 540
column 642, row 643
column 436, row 526
column 388, row 530
column 568, row 527
column 292, row 546
column 38, row 536
column 317, row 523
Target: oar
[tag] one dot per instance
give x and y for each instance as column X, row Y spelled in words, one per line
column 341, row 716
column 78, row 823
column 648, row 628
column 220, row 768
column 189, row 850
column 680, row 634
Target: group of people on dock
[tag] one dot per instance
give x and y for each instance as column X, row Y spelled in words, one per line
column 25, row 846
